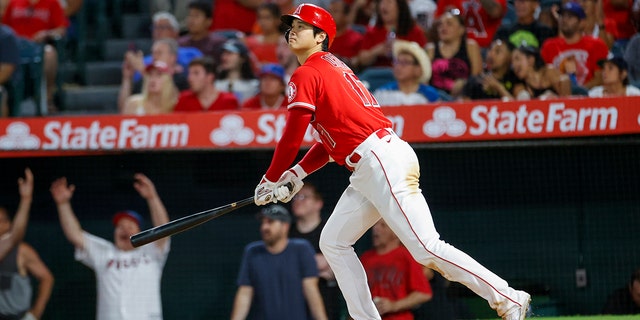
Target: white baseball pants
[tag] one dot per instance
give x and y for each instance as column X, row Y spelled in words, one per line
column 385, row 185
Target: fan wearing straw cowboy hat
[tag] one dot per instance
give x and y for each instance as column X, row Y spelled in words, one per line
column 412, row 71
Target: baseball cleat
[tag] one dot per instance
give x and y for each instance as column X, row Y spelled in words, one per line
column 519, row 313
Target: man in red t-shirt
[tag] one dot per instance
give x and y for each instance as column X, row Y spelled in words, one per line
column 573, row 53
column 481, row 17
column 395, row 279
column 384, row 183
column 348, row 41
column 203, row 95
column 39, row 21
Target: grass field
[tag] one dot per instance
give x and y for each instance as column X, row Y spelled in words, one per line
column 600, row 317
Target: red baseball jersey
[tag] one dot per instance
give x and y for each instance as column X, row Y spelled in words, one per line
column 394, row 275
column 189, row 102
column 586, row 53
column 480, row 26
column 345, row 113
column 27, row 20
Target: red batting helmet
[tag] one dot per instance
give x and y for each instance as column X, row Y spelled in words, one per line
column 315, row 16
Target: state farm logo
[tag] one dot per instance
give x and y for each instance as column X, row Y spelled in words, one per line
column 444, row 122
column 18, row 137
column 231, row 129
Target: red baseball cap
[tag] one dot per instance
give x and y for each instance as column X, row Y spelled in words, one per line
column 157, row 65
column 127, row 214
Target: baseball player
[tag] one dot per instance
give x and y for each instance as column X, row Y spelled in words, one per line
column 128, row 278
column 384, row 182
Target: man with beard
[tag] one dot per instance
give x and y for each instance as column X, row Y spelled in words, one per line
column 572, row 52
column 128, row 278
column 278, row 274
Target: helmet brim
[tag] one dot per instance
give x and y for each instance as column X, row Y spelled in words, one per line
column 288, row 19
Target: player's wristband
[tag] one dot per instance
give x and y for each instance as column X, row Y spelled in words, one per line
column 299, row 171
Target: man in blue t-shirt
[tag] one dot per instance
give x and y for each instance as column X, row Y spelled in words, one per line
column 278, row 277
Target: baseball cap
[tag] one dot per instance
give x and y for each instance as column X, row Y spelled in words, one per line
column 157, row 65
column 617, row 61
column 273, row 69
column 235, row 46
column 129, row 214
column 276, row 212
column 573, row 8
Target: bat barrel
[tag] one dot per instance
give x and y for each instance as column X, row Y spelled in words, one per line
column 185, row 223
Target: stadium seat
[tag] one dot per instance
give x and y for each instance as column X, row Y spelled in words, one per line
column 28, row 82
column 374, row 77
column 579, row 91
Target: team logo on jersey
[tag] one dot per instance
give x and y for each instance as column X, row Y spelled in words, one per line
column 291, row 91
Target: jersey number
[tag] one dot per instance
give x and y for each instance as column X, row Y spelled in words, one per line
column 368, row 100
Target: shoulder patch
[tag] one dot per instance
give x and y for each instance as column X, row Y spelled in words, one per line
column 291, row 91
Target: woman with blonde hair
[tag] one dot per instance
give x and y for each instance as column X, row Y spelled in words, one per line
column 159, row 94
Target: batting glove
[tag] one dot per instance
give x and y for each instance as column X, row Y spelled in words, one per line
column 264, row 192
column 289, row 184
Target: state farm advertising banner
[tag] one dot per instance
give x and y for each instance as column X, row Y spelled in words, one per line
column 442, row 122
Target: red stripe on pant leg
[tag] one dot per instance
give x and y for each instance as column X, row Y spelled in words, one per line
column 420, row 240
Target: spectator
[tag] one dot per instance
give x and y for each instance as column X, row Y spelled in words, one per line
column 165, row 29
column 411, row 70
column 286, row 58
column 395, row 279
column 42, row 22
column 620, row 11
column 179, row 10
column 498, row 80
column 164, row 50
column 393, row 22
column 539, row 80
column 625, row 300
column 263, row 45
column 17, row 229
column 16, row 268
column 159, row 94
column 127, row 278
column 9, row 62
column 526, row 30
column 203, row 95
column 348, row 41
column 615, row 80
column 235, row 72
column 632, row 56
column 235, row 14
column 198, row 35
column 596, row 24
column 272, row 89
column 20, row 263
column 573, row 53
column 454, row 58
column 481, row 18
column 306, row 206
column 278, row 276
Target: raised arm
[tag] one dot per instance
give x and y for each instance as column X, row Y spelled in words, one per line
column 19, row 224
column 62, row 192
column 314, row 299
column 36, row 268
column 147, row 190
column 242, row 303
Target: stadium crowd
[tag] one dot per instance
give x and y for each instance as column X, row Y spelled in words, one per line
column 204, row 58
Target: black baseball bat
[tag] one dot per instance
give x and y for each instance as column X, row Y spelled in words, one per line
column 188, row 222
column 185, row 223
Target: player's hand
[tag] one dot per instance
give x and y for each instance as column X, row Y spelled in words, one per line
column 61, row 191
column 292, row 177
column 25, row 185
column 264, row 192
